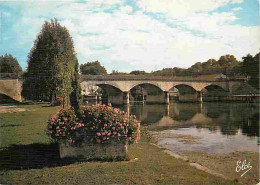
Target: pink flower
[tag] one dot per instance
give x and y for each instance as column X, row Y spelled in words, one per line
column 109, row 133
column 69, row 140
column 98, row 134
column 118, row 134
column 103, row 133
column 116, row 111
column 57, row 128
column 105, row 125
column 114, row 133
column 113, row 128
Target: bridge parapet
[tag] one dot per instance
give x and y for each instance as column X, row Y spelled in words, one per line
column 151, row 78
column 126, row 86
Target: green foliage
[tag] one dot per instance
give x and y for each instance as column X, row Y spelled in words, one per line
column 51, row 64
column 93, row 68
column 116, row 72
column 75, row 95
column 250, row 68
column 169, row 72
column 9, row 64
column 137, row 72
column 226, row 64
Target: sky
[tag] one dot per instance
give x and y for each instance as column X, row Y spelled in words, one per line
column 137, row 35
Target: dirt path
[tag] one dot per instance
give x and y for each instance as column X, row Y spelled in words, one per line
column 11, row 109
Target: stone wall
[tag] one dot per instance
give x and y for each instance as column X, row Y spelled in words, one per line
column 92, row 151
column 11, row 88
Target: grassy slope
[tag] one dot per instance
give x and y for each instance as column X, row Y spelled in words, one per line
column 152, row 167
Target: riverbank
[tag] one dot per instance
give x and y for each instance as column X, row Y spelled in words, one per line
column 222, row 164
column 148, row 165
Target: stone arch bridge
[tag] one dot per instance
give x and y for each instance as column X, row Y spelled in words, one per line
column 166, row 87
column 11, row 88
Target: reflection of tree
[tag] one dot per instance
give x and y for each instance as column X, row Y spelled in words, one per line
column 184, row 115
column 215, row 110
column 229, row 128
column 250, row 126
column 241, row 116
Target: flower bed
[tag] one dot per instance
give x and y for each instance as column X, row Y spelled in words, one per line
column 100, row 130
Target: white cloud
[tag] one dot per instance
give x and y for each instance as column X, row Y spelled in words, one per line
column 125, row 41
column 237, row 9
column 180, row 8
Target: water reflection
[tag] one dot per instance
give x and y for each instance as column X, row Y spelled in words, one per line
column 228, row 118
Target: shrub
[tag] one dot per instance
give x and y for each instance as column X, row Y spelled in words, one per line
column 98, row 124
column 59, row 101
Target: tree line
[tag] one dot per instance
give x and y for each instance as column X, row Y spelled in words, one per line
column 226, row 64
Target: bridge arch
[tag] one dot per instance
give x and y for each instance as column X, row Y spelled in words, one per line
column 214, row 92
column 109, row 86
column 109, row 83
column 145, row 91
column 6, row 98
column 184, row 89
column 152, row 84
column 214, row 87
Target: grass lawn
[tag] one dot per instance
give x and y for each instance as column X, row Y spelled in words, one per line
column 28, row 157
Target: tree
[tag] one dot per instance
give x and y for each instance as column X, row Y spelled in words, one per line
column 75, row 95
column 116, row 72
column 93, row 68
column 137, row 72
column 196, row 68
column 9, row 64
column 250, row 68
column 51, row 64
column 227, row 63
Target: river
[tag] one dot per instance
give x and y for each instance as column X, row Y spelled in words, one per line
column 207, row 127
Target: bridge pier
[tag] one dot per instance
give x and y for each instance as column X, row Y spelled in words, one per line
column 126, row 97
column 200, row 96
column 166, row 97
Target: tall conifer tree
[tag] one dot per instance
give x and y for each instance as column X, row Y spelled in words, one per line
column 51, row 64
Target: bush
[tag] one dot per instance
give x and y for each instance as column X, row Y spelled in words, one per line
column 98, row 124
column 59, row 101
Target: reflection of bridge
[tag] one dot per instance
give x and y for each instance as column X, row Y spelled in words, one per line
column 119, row 90
column 229, row 118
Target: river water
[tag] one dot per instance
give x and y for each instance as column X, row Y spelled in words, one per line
column 207, row 127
